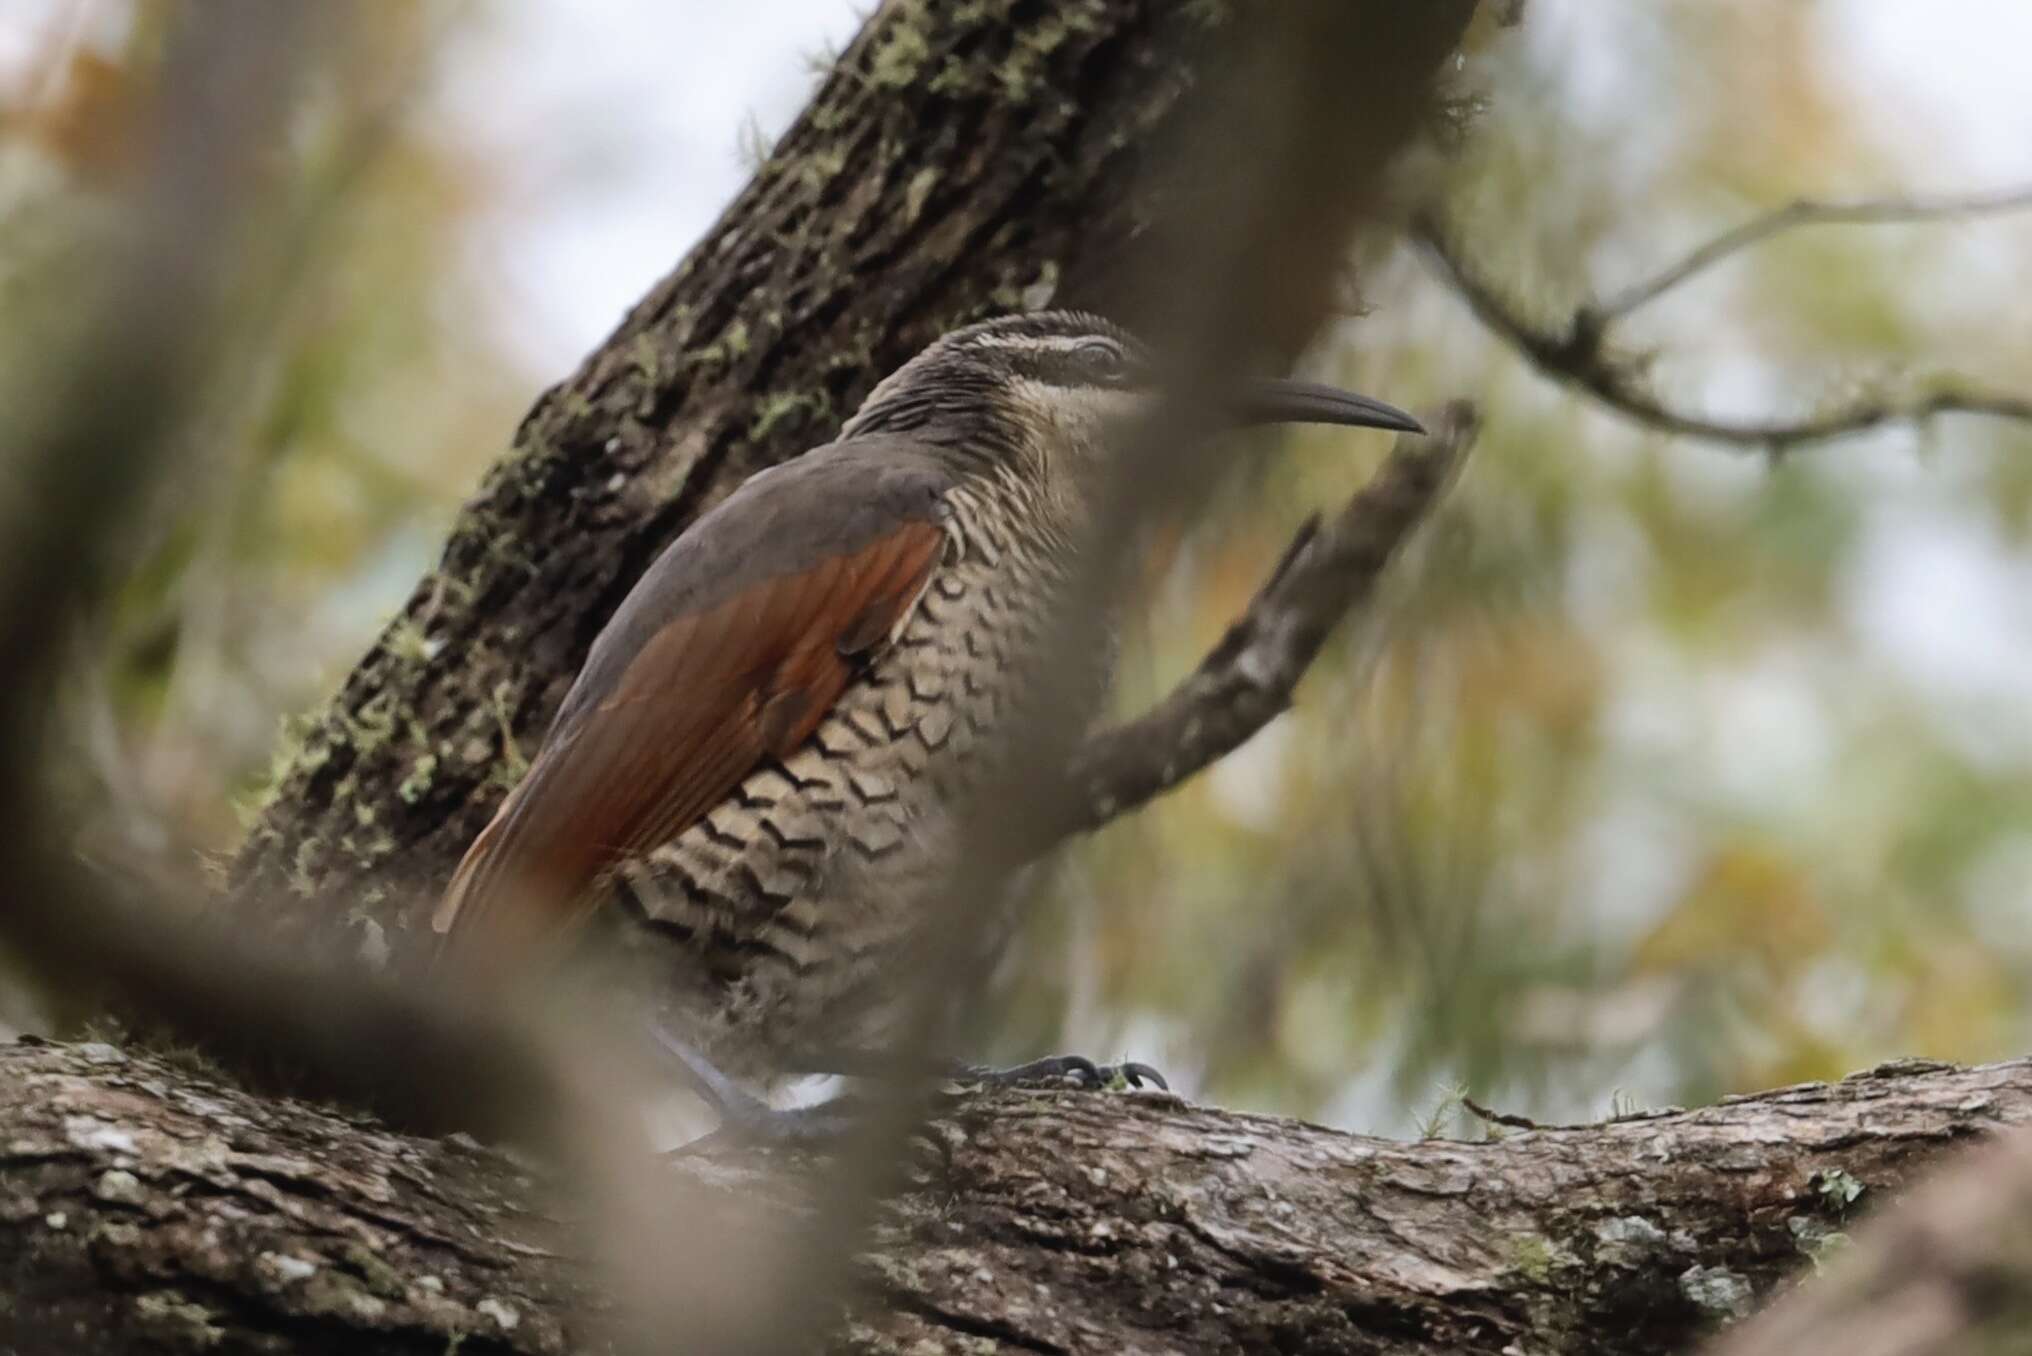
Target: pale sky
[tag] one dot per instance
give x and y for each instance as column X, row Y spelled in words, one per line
column 624, row 118
column 628, row 115
column 627, row 118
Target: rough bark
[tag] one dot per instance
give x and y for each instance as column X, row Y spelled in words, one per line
column 957, row 158
column 144, row 1206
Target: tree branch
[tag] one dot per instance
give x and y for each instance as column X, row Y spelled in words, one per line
column 1578, row 353
column 1800, row 213
column 143, row 1202
column 1328, row 571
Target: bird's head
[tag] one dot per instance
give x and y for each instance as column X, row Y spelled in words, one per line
column 1046, row 394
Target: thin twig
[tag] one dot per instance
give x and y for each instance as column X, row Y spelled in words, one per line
column 1504, row 1118
column 1810, row 212
column 1578, row 354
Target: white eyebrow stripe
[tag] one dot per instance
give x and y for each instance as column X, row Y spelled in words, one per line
column 1060, row 343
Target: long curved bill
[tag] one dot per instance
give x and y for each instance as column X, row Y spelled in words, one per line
column 1283, row 401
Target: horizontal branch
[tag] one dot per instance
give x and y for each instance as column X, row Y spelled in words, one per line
column 1805, row 212
column 1577, row 352
column 143, row 1202
column 1327, row 572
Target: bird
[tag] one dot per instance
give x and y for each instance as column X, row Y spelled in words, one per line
column 754, row 780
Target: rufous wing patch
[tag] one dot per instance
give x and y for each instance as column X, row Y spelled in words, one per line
column 706, row 698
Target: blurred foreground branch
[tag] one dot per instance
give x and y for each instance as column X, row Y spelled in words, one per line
column 112, row 413
column 1949, row 1272
column 1264, row 181
column 148, row 1206
column 1579, row 352
column 83, row 460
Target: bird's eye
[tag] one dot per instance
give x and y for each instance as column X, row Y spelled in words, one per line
column 1103, row 360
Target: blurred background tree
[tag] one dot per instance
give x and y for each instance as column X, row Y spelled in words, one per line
column 1666, row 770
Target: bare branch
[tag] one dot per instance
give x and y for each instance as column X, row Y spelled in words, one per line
column 1247, row 680
column 1579, row 354
column 1809, row 212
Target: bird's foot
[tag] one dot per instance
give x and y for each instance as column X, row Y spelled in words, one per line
column 887, row 1066
column 746, row 1119
column 1056, row 1068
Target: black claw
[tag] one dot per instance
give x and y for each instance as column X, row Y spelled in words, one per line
column 1140, row 1074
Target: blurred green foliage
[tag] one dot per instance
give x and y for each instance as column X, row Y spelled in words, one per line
column 1657, row 772
column 358, row 400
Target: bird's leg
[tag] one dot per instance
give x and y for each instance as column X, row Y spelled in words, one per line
column 853, row 1063
column 744, row 1116
column 746, row 1119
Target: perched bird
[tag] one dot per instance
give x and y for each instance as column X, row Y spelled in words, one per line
column 754, row 779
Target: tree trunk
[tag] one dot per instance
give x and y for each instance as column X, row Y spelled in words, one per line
column 144, row 1206
column 957, row 159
